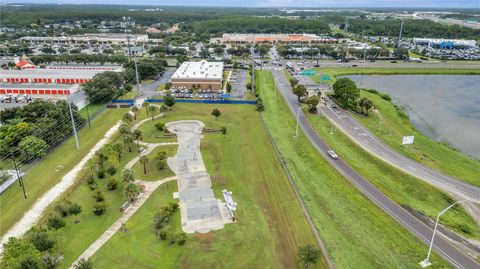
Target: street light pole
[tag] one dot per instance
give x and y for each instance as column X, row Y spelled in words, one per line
column 425, row 263
column 298, row 119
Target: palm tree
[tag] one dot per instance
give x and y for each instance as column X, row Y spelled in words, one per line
column 164, row 109
column 153, row 109
column 135, row 111
column 127, row 141
column 146, row 105
column 127, row 117
column 124, row 129
column 118, row 147
column 131, row 191
column 137, row 135
column 128, row 175
column 144, row 160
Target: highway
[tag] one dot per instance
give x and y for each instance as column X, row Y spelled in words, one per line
column 407, row 220
column 368, row 141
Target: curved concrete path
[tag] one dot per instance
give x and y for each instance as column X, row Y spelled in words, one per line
column 199, row 210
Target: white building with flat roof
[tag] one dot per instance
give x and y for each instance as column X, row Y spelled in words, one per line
column 206, row 75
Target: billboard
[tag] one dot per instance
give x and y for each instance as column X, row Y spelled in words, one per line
column 407, row 140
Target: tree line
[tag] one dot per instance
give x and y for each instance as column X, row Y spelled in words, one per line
column 28, row 132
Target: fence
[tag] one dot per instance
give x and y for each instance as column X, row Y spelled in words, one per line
column 234, row 102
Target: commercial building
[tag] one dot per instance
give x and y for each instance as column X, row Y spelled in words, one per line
column 97, row 38
column 206, row 75
column 53, row 76
column 445, row 43
column 277, row 38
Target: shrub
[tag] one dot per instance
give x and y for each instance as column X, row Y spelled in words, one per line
column 84, row 264
column 55, row 222
column 100, row 173
column 160, row 220
column 74, row 209
column 173, row 207
column 386, row 97
column 42, row 241
column 171, row 239
column 181, row 239
column 99, row 208
column 465, row 228
column 372, row 91
column 62, row 209
column 111, row 170
column 99, row 196
column 162, row 234
column 112, row 184
column 159, row 126
column 90, row 179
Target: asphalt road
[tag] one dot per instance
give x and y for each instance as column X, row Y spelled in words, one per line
column 407, row 220
column 367, row 140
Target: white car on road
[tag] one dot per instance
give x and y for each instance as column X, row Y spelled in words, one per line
column 332, row 154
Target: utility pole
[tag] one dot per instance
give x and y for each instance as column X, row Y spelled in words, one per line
column 253, row 64
column 19, row 177
column 73, row 125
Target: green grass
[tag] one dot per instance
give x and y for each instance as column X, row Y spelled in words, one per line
column 89, row 110
column 140, row 241
column 270, row 226
column 439, row 156
column 333, row 72
column 400, row 187
column 43, row 176
column 153, row 173
column 356, row 232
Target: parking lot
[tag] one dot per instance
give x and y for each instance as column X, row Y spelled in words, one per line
column 200, row 94
column 238, row 80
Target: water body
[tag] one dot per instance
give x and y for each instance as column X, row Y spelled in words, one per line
column 443, row 107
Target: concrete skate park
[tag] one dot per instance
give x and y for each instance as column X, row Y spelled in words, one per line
column 199, row 209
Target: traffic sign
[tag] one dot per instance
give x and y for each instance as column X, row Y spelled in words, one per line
column 407, row 140
column 308, row 72
column 325, row 77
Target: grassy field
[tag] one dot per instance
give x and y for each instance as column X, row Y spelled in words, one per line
column 333, row 72
column 270, row 226
column 43, row 176
column 395, row 124
column 148, row 251
column 356, row 232
column 400, row 187
column 153, row 173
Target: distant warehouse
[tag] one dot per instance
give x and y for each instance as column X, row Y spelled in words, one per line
column 203, row 74
column 55, row 76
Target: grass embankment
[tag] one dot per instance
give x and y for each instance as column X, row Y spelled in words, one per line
column 333, row 72
column 270, row 225
column 399, row 186
column 74, row 238
column 356, row 232
column 43, row 176
column 395, row 124
column 153, row 172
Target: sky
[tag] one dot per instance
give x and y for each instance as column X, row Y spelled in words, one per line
column 276, row 3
